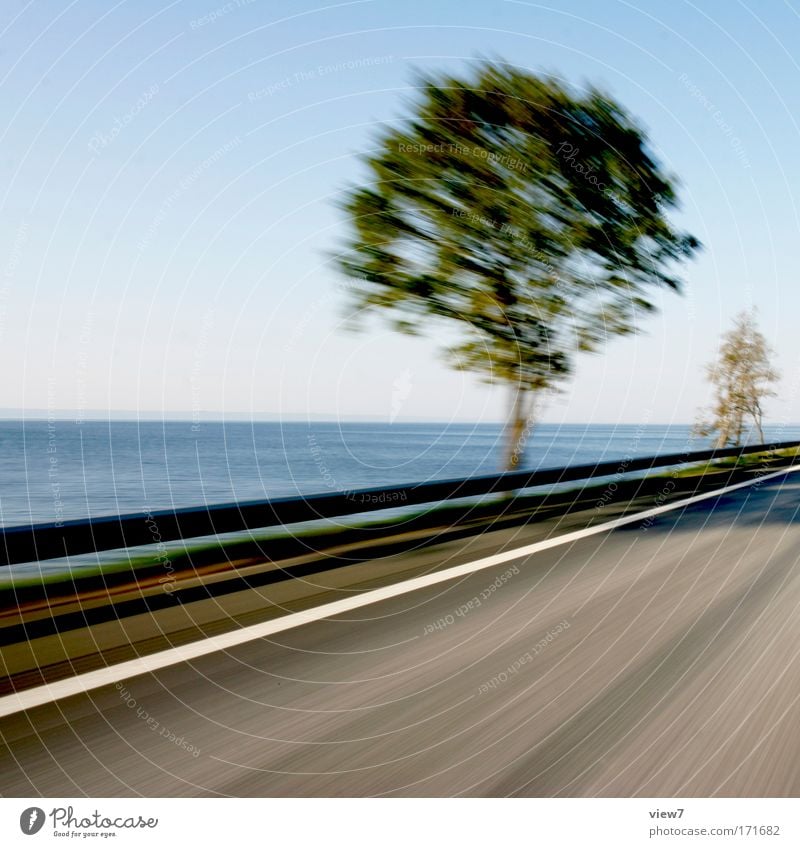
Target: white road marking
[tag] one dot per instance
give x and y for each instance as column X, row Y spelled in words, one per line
column 53, row 691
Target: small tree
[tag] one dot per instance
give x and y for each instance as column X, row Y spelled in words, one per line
column 742, row 378
column 530, row 216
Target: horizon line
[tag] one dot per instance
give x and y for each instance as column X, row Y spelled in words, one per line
column 78, row 416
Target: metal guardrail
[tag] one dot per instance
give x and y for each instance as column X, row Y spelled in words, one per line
column 39, row 542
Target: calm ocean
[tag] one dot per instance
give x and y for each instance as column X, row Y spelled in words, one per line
column 57, row 470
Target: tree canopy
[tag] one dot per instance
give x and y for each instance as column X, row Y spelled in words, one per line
column 742, row 377
column 528, row 214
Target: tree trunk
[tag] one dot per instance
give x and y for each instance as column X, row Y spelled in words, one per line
column 518, row 429
column 739, row 429
column 724, row 435
column 758, row 417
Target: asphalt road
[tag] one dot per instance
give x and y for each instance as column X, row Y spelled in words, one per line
column 653, row 660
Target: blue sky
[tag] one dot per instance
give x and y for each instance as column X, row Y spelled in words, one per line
column 170, row 176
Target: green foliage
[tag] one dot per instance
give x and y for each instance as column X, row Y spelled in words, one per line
column 531, row 216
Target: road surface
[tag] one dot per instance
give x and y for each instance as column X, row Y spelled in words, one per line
column 654, row 660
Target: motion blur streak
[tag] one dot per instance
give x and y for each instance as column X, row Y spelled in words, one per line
column 654, row 660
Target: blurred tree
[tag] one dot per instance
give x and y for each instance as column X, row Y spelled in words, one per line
column 742, row 378
column 528, row 215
